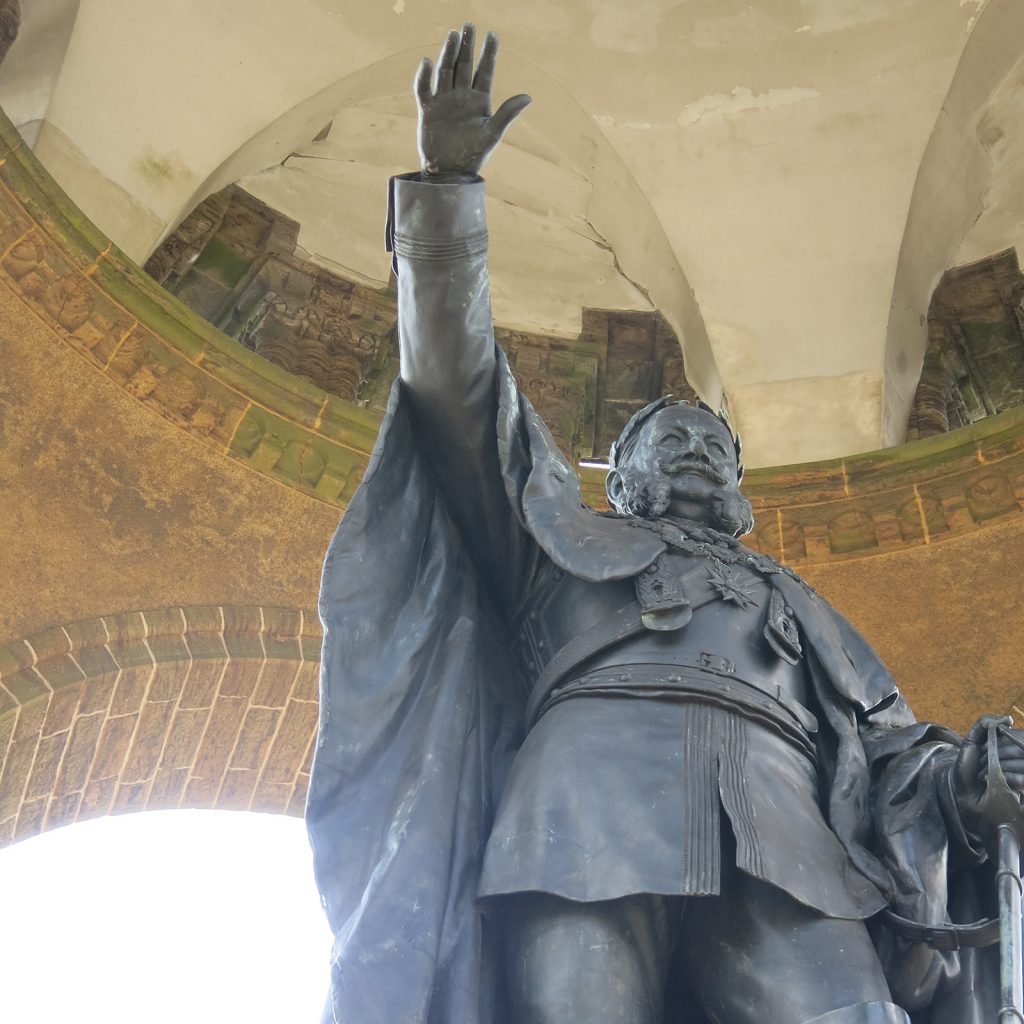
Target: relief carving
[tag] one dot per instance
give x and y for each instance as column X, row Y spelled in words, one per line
column 234, row 262
column 974, row 363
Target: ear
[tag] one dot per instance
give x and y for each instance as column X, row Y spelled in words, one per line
column 615, row 488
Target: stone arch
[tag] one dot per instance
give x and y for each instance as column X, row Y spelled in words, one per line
column 33, row 64
column 205, row 707
column 560, row 130
column 952, row 190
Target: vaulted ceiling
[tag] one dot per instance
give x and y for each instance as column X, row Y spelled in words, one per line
column 784, row 180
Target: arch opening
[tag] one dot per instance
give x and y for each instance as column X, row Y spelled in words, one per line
column 192, row 915
column 965, row 203
column 199, row 707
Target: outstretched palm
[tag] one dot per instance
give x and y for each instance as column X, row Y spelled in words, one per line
column 457, row 131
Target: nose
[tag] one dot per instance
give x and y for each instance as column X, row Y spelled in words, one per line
column 697, row 448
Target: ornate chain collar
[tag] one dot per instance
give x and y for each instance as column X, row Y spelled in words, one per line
column 713, row 544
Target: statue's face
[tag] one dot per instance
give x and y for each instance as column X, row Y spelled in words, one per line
column 684, row 460
column 689, row 446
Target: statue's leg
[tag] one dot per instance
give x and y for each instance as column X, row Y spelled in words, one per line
column 603, row 963
column 754, row 955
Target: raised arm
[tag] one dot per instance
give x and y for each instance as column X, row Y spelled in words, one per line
column 446, row 337
column 440, row 232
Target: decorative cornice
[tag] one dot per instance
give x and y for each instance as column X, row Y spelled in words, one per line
column 132, row 331
column 129, row 329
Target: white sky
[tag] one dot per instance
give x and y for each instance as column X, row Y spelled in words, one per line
column 209, row 917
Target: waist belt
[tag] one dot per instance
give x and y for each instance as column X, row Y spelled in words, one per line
column 619, row 626
column 792, row 720
column 945, row 937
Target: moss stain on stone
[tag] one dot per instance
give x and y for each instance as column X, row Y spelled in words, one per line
column 160, row 169
column 222, row 263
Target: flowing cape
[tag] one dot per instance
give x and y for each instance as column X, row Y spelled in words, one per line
column 421, row 715
column 417, row 726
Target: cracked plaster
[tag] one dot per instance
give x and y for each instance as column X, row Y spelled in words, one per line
column 777, row 205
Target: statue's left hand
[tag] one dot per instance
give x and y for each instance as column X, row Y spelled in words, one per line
column 457, row 131
column 970, row 772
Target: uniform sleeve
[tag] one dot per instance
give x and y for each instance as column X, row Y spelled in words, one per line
column 438, row 233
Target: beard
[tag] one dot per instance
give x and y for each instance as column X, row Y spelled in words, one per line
column 649, row 495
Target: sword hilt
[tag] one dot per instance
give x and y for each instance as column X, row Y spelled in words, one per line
column 1000, row 805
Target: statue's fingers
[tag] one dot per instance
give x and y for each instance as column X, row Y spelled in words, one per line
column 1010, row 738
column 508, row 112
column 464, row 61
column 446, row 62
column 978, row 733
column 1006, row 749
column 1010, row 763
column 976, row 740
column 1008, row 746
column 485, row 72
column 981, row 775
column 421, row 83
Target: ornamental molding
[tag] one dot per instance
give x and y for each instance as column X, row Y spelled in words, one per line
column 130, row 330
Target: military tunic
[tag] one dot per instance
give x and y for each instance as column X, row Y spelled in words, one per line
column 620, row 784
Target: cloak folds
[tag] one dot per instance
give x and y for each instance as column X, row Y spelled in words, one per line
column 418, row 723
column 420, row 717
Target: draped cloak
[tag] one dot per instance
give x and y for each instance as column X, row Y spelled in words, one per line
column 421, row 714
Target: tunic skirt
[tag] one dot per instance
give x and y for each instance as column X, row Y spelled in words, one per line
column 613, row 795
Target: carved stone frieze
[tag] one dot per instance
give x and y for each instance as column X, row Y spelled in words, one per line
column 974, row 364
column 233, row 261
column 130, row 330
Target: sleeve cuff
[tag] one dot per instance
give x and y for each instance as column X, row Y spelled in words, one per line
column 435, row 221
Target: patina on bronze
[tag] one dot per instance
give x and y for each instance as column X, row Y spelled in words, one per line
column 608, row 768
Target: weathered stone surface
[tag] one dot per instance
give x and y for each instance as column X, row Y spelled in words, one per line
column 974, row 365
column 237, row 268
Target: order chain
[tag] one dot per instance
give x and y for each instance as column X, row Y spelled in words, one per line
column 709, row 543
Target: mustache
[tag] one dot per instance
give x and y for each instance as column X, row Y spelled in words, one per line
column 670, row 467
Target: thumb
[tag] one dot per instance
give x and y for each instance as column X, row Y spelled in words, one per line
column 508, row 112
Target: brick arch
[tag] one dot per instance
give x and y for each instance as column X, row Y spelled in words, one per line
column 208, row 707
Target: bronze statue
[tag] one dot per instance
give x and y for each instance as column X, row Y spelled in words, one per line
column 612, row 768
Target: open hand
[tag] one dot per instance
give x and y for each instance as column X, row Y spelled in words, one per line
column 457, row 131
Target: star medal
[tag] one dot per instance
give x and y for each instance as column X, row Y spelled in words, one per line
column 731, row 585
